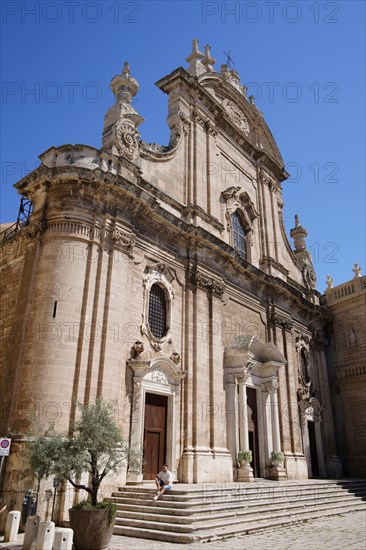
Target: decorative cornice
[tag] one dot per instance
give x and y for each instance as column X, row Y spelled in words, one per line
column 133, row 191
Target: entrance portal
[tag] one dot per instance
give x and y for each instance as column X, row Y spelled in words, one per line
column 253, row 429
column 313, row 450
column 154, row 434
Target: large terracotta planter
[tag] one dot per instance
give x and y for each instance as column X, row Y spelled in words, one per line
column 91, row 528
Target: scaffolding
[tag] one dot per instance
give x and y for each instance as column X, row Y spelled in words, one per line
column 25, row 211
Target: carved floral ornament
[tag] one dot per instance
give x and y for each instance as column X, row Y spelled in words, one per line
column 246, row 373
column 126, row 240
column 127, row 138
column 281, row 321
column 310, row 407
column 308, row 271
column 35, row 228
column 216, row 286
column 236, row 115
column 302, row 342
column 159, row 377
column 271, row 386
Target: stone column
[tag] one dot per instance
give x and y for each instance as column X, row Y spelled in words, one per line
column 231, row 416
column 267, row 420
column 273, row 189
column 245, row 472
column 305, row 437
column 137, row 414
column 243, row 416
column 271, row 388
column 333, row 464
column 277, row 473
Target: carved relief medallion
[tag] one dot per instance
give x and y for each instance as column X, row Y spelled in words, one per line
column 127, row 137
column 236, row 115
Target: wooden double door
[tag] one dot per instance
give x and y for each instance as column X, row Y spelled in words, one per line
column 155, row 423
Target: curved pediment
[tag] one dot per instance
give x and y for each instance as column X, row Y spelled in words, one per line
column 241, row 110
column 260, row 352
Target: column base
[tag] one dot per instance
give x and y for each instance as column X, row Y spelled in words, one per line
column 205, row 465
column 296, row 466
column 277, row 473
column 134, row 479
column 245, row 473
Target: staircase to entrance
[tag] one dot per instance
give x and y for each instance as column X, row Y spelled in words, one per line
column 211, row 511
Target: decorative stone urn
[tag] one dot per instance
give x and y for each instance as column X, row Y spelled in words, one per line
column 245, row 471
column 277, row 471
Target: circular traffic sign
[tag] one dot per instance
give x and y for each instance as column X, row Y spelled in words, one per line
column 5, row 443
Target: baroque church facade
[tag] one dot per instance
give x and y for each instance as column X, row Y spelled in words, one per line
column 162, row 278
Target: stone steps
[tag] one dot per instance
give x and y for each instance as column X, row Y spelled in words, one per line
column 186, row 516
column 241, row 489
column 176, row 509
column 168, row 516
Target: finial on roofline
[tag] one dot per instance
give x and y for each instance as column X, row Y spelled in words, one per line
column 195, row 60
column 356, row 270
column 208, row 60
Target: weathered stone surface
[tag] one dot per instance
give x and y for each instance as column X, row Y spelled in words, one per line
column 106, row 226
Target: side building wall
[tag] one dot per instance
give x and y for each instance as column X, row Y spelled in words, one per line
column 347, row 370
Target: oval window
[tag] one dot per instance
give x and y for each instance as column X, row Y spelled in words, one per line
column 157, row 311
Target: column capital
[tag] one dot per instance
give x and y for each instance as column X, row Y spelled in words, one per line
column 281, row 321
column 245, row 374
column 208, row 283
column 271, row 386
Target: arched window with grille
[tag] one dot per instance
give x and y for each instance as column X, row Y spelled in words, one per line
column 157, row 315
column 239, row 235
column 304, row 367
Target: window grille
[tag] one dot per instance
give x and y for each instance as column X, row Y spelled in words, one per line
column 157, row 311
column 304, row 367
column 239, row 235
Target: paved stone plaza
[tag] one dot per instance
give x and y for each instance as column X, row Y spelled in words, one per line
column 332, row 533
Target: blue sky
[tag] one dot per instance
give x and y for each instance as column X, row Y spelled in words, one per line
column 303, row 61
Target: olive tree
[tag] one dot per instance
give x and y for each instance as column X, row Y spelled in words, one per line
column 96, row 446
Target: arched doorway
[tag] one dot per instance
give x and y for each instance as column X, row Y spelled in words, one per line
column 310, row 417
column 251, row 376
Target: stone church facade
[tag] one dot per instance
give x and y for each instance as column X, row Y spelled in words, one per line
column 162, row 278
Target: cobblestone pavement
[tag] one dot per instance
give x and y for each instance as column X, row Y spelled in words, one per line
column 330, row 533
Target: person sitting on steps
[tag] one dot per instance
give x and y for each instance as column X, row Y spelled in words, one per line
column 163, row 481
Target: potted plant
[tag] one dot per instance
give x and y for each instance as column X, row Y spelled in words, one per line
column 277, row 458
column 245, row 471
column 245, row 457
column 95, row 446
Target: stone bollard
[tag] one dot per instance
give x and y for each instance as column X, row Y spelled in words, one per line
column 46, row 534
column 63, row 539
column 12, row 527
column 31, row 532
